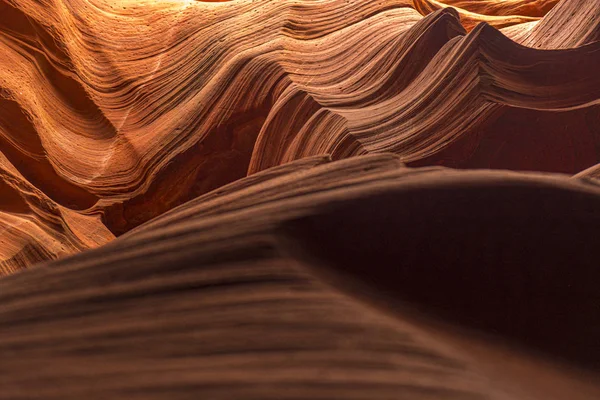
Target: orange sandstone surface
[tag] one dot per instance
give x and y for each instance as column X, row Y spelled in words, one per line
column 294, row 199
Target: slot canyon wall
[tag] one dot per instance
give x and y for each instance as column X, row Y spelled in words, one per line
column 258, row 199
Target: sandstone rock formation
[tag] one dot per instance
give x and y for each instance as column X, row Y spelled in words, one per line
column 299, row 199
column 116, row 111
column 307, row 281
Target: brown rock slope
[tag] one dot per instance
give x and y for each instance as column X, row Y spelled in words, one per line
column 113, row 112
column 310, row 280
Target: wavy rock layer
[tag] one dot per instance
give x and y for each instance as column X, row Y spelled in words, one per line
column 264, row 289
column 112, row 113
column 313, row 199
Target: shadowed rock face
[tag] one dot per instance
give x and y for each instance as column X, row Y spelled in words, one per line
column 299, row 199
column 311, row 280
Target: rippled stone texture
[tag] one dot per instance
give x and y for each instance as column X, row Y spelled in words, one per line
column 115, row 112
column 299, row 199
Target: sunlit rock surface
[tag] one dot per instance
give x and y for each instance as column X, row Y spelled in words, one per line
column 292, row 199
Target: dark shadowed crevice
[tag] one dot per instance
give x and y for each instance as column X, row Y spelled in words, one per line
column 511, row 260
column 26, row 153
column 221, row 158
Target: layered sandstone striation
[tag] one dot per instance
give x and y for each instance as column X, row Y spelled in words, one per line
column 113, row 112
column 312, row 280
column 258, row 199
